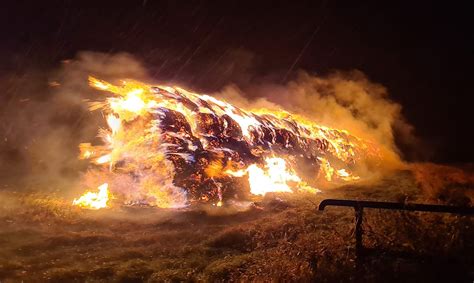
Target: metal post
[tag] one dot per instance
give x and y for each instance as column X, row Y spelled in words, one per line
column 358, row 245
column 358, row 229
column 359, row 205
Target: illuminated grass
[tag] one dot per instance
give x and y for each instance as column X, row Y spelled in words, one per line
column 44, row 238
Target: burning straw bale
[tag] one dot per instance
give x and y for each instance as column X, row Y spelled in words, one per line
column 168, row 147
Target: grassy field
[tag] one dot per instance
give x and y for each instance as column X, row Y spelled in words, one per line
column 279, row 238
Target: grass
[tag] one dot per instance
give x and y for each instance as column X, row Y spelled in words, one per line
column 282, row 238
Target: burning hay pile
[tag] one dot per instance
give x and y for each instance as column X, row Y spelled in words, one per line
column 169, row 147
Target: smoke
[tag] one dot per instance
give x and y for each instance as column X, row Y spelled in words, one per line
column 341, row 100
column 44, row 118
column 44, row 115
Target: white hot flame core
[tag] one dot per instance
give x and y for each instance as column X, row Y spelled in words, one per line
column 274, row 177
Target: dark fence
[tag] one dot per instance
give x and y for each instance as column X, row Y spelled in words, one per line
column 359, row 206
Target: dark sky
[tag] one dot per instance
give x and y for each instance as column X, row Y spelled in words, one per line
column 421, row 51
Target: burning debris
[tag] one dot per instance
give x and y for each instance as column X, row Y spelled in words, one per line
column 94, row 200
column 168, row 147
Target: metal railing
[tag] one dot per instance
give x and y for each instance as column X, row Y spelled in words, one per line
column 359, row 206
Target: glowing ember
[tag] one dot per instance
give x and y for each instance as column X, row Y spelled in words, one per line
column 94, row 200
column 168, row 147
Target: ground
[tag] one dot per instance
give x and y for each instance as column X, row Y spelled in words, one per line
column 281, row 237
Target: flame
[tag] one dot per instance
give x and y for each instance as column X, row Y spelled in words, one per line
column 104, row 159
column 131, row 103
column 273, row 178
column 114, row 123
column 94, row 200
column 331, row 173
column 136, row 146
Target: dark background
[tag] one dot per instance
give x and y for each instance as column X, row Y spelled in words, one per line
column 421, row 51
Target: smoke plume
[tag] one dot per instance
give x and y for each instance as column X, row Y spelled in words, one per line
column 44, row 115
column 341, row 100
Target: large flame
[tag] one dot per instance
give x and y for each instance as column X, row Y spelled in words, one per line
column 157, row 136
column 274, row 179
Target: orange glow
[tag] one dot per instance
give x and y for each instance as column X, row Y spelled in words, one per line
column 135, row 142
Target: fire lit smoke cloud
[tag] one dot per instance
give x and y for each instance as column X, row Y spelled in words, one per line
column 43, row 117
column 341, row 100
column 61, row 119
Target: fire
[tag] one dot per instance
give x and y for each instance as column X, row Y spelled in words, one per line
column 274, row 179
column 94, row 200
column 173, row 147
column 132, row 103
column 104, row 159
column 114, row 123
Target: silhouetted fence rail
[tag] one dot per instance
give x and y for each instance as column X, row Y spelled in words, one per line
column 359, row 206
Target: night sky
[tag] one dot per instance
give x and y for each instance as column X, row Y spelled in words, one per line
column 422, row 52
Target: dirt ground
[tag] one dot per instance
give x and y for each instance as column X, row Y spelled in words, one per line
column 279, row 238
